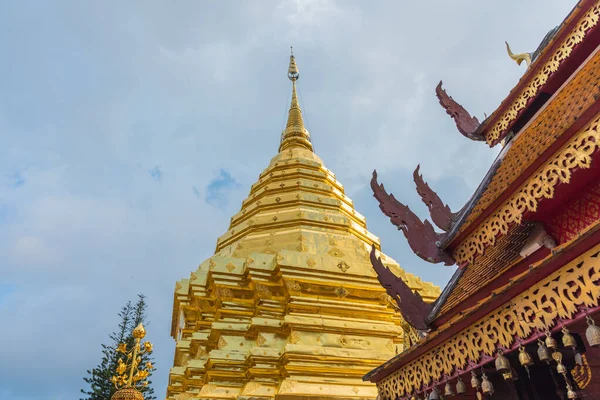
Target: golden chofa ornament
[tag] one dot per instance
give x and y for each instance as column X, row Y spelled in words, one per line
column 502, row 364
column 567, row 339
column 130, row 376
column 592, row 333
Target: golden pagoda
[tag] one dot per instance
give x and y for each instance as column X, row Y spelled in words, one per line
column 289, row 306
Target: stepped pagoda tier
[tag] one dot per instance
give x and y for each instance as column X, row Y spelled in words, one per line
column 518, row 318
column 289, row 306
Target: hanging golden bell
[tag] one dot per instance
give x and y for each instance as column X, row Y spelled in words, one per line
column 486, row 385
column 475, row 384
column 550, row 342
column 592, row 333
column 434, row 395
column 571, row 394
column 502, row 364
column 568, row 340
column 561, row 369
column 448, row 391
column 543, row 352
column 524, row 357
column 461, row 388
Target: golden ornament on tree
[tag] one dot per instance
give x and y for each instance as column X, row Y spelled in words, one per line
column 129, row 375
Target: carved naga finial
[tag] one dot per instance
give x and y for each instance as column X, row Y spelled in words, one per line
column 466, row 124
column 519, row 58
column 440, row 213
column 421, row 237
column 411, row 305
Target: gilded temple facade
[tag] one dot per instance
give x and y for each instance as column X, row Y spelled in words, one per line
column 289, row 306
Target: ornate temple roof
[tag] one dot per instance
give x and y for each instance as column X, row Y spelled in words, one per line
column 290, row 295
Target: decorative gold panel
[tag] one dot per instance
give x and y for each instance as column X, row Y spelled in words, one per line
column 579, row 94
column 562, row 53
column 559, row 295
column 575, row 154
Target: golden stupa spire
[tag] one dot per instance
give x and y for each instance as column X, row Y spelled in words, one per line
column 295, row 134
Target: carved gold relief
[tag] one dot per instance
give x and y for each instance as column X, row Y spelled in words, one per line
column 224, row 293
column 295, row 337
column 341, row 292
column 310, row 262
column 575, row 154
column 560, row 295
column 562, row 53
column 343, row 266
column 230, row 267
column 293, row 286
column 222, row 343
column 260, row 340
column 263, row 291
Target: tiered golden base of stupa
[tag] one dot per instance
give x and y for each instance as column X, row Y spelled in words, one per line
column 289, row 306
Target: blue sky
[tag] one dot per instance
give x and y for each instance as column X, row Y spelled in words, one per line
column 131, row 131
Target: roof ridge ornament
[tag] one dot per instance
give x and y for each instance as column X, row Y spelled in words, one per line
column 519, row 58
column 412, row 306
column 465, row 123
column 423, row 240
column 441, row 214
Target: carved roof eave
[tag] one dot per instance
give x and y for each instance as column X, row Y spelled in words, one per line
column 499, row 124
column 432, row 340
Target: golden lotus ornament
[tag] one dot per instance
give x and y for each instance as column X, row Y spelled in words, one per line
column 568, row 340
column 543, row 353
column 592, row 333
column 524, row 357
column 475, row 384
column 486, row 385
column 461, row 388
column 448, row 391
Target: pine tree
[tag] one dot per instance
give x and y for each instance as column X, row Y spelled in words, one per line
column 98, row 378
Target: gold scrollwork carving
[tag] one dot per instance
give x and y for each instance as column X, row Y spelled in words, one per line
column 563, row 52
column 559, row 295
column 575, row 154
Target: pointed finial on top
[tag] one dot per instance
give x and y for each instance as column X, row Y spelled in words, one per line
column 293, row 74
column 295, row 134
